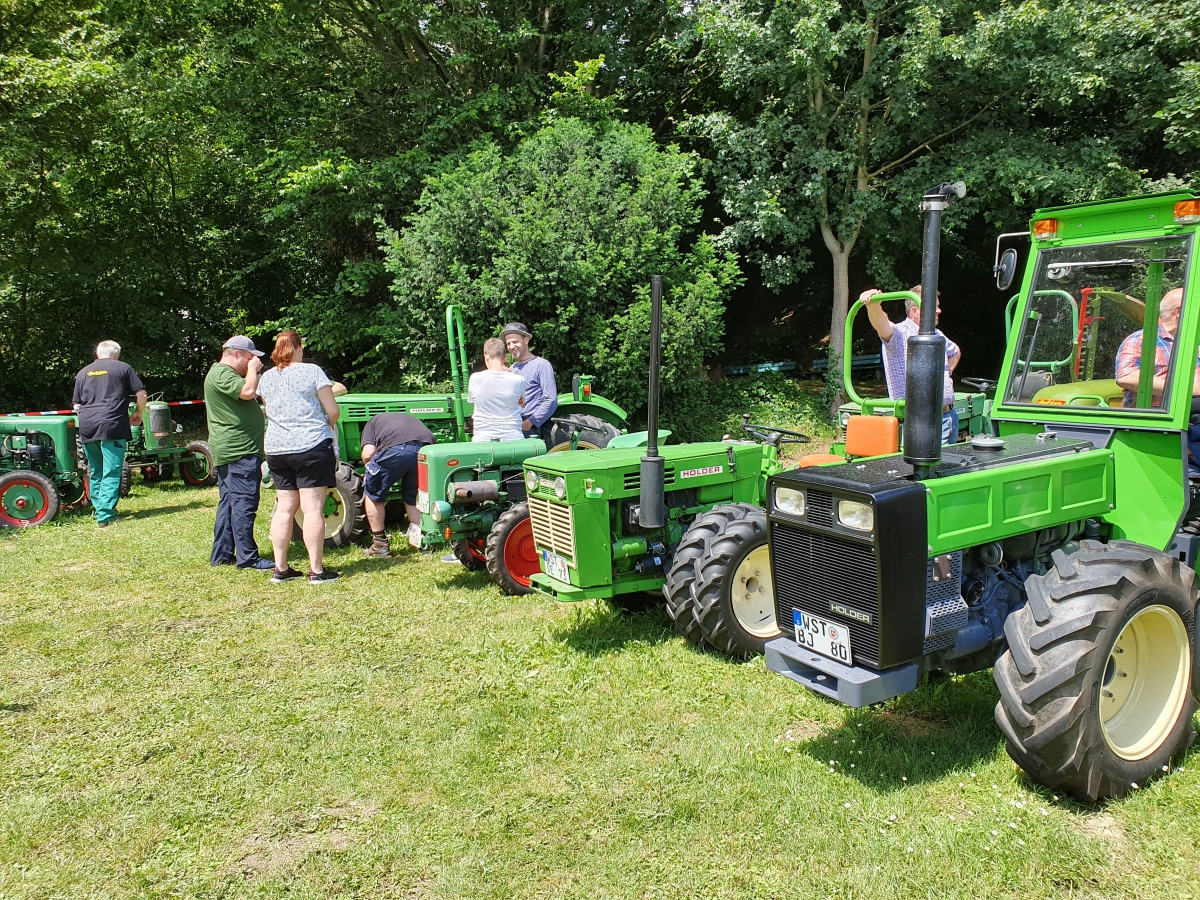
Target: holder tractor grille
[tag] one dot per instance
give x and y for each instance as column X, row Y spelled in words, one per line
column 553, row 527
column 945, row 609
column 814, row 570
column 820, row 508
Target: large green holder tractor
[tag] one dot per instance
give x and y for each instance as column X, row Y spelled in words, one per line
column 582, row 419
column 39, row 470
column 1060, row 551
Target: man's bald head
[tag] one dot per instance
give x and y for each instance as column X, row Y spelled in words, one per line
column 1168, row 310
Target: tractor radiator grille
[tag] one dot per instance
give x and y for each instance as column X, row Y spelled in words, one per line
column 812, row 570
column 945, row 609
column 553, row 527
column 633, row 480
column 820, row 508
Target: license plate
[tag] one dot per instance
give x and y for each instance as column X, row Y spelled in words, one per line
column 556, row 567
column 414, row 536
column 423, row 502
column 830, row 639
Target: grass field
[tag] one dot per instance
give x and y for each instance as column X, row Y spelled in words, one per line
column 171, row 730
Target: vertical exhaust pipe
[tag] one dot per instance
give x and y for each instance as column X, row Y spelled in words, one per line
column 652, row 500
column 926, row 365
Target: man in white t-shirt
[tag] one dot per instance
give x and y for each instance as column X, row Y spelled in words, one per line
column 497, row 395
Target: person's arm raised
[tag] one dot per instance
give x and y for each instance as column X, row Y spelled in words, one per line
column 878, row 317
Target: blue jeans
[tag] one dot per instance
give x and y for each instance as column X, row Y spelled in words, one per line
column 233, row 534
column 105, row 460
column 389, row 466
column 950, row 427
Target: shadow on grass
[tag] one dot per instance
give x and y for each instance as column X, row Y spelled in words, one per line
column 162, row 510
column 366, row 565
column 940, row 728
column 599, row 628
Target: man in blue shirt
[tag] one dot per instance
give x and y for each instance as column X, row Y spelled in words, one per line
column 541, row 393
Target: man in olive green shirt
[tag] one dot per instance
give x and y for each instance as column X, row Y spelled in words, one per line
column 235, row 433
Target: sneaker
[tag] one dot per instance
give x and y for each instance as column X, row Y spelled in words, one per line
column 260, row 565
column 288, row 574
column 105, row 523
column 379, row 551
column 322, row 577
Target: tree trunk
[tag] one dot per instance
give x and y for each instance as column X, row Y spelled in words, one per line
column 840, row 252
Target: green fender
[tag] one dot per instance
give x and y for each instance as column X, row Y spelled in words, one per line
column 594, row 406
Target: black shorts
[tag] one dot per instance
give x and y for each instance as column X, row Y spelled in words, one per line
column 313, row 468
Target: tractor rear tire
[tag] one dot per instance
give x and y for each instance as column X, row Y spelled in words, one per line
column 733, row 600
column 199, row 471
column 511, row 555
column 1096, row 692
column 594, row 436
column 345, row 513
column 472, row 554
column 27, row 499
column 153, row 474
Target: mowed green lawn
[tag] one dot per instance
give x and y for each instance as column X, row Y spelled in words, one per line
column 167, row 729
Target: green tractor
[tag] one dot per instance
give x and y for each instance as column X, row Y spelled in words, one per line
column 583, row 419
column 152, row 449
column 1061, row 550
column 685, row 521
column 39, row 469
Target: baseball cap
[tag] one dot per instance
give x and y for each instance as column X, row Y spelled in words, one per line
column 241, row 342
column 515, row 328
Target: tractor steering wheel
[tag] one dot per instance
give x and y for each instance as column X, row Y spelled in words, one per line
column 772, row 436
column 983, row 385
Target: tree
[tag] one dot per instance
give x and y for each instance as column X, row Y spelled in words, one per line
column 844, row 112
column 563, row 234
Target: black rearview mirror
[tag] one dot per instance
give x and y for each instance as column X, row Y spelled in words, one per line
column 1006, row 269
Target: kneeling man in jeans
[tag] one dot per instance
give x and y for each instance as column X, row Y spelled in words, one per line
column 390, row 444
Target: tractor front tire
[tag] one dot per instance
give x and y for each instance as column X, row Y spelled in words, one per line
column 344, row 511
column 733, row 599
column 126, row 480
column 199, row 471
column 27, row 498
column 471, row 553
column 511, row 555
column 595, row 435
column 1096, row 693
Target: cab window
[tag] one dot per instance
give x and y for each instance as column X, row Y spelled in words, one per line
column 1098, row 316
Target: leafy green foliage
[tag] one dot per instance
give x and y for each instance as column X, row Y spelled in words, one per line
column 562, row 234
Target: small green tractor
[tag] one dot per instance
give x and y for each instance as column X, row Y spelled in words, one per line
column 1061, row 550
column 480, row 482
column 39, row 469
column 629, row 525
column 152, row 449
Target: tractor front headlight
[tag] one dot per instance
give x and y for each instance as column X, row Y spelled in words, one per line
column 560, row 487
column 440, row 510
column 858, row 516
column 790, row 501
column 531, row 480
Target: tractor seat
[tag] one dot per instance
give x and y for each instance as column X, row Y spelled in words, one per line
column 865, row 436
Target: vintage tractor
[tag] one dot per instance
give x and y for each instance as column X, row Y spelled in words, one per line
column 152, row 449
column 1059, row 551
column 472, row 495
column 684, row 521
column 39, row 471
column 583, row 417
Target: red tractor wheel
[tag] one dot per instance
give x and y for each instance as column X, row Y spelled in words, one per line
column 26, row 499
column 512, row 557
column 199, row 471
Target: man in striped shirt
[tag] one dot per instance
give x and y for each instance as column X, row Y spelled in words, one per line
column 894, row 336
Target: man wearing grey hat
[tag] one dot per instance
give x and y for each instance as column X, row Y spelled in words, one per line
column 235, row 433
column 541, row 393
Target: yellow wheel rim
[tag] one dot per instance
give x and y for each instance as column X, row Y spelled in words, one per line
column 566, row 445
column 753, row 594
column 335, row 513
column 1145, row 682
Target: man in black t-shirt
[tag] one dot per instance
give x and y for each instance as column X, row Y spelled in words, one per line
column 101, row 400
column 390, row 444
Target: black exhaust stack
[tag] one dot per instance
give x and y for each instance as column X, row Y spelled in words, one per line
column 926, row 364
column 652, row 500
